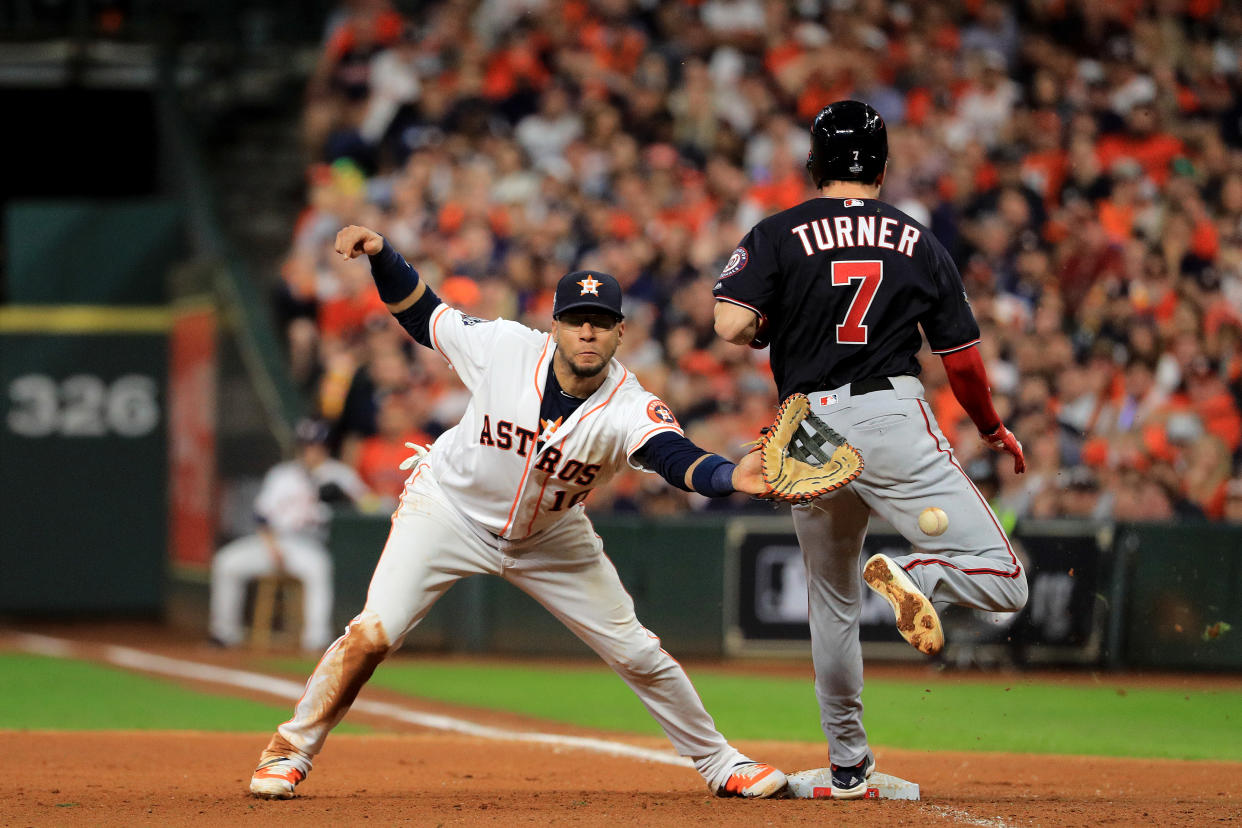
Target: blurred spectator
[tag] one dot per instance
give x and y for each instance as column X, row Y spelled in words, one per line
column 1233, row 500
column 545, row 134
column 386, row 372
column 984, row 110
column 1081, row 497
column 376, row 458
column 341, row 83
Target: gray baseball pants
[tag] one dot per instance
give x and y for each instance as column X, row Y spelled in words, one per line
column 908, row 466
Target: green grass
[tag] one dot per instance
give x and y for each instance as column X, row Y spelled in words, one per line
column 934, row 713
column 947, row 712
column 43, row 693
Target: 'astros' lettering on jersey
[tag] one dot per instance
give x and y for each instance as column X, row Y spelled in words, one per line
column 499, row 466
column 859, row 268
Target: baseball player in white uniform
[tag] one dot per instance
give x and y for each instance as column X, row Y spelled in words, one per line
column 293, row 519
column 552, row 416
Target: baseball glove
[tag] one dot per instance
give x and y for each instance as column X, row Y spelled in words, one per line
column 802, row 457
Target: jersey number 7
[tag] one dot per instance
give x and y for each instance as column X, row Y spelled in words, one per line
column 869, row 273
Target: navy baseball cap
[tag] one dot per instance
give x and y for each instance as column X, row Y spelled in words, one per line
column 587, row 289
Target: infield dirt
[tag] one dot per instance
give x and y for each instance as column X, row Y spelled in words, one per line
column 419, row 777
column 145, row 778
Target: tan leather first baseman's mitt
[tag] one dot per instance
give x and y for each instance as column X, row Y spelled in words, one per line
column 802, row 457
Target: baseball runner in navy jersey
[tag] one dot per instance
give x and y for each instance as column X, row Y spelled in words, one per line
column 551, row 417
column 838, row 288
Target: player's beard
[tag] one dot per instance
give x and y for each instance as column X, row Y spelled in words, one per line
column 587, row 371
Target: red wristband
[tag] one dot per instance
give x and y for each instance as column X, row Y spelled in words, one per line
column 969, row 381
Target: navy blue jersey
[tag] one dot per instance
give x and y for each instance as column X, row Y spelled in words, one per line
column 845, row 284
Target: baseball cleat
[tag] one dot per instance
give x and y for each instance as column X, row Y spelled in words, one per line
column 753, row 780
column 276, row 778
column 917, row 620
column 850, row 782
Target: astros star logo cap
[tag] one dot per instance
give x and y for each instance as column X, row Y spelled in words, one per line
column 587, row 290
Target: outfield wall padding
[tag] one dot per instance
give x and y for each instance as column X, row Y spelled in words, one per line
column 1182, row 599
column 83, row 459
column 1126, row 596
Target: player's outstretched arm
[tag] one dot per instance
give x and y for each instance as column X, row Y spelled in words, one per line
column 692, row 469
column 969, row 381
column 397, row 282
column 406, row 295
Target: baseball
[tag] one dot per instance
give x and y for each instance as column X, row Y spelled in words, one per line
column 933, row 520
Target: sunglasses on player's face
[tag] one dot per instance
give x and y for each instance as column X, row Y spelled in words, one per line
column 598, row 321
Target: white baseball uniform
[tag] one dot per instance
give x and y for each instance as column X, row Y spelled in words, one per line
column 498, row 495
column 288, row 503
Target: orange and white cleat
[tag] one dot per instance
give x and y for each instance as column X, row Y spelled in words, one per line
column 275, row 778
column 917, row 620
column 753, row 780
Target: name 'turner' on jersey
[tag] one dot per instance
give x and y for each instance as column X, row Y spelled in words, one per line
column 836, row 232
column 845, row 285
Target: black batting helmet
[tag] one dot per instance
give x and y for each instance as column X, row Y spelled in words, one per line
column 849, row 142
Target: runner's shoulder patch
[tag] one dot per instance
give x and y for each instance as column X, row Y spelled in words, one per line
column 736, row 262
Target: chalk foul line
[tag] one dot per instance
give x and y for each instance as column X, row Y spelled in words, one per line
column 966, row 818
column 291, row 691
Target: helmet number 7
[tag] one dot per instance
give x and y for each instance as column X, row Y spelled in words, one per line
column 869, row 274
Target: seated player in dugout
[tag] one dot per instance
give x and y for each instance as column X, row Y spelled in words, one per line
column 838, row 288
column 551, row 417
column 292, row 510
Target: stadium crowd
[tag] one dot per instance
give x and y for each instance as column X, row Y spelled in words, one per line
column 1081, row 160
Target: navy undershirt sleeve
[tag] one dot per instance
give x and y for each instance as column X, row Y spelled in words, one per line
column 395, row 279
column 416, row 319
column 714, row 476
column 670, row 455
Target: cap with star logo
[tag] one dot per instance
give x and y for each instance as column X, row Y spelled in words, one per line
column 587, row 289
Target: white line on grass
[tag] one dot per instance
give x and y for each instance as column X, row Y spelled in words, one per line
column 292, row 691
column 43, row 645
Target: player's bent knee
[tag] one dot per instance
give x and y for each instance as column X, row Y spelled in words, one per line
column 642, row 663
column 366, row 639
column 1016, row 592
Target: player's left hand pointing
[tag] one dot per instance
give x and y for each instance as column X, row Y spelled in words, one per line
column 354, row 240
column 748, row 475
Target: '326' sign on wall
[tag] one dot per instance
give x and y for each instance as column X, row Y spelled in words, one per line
column 82, row 405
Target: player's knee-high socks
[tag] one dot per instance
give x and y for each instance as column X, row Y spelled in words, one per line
column 332, row 688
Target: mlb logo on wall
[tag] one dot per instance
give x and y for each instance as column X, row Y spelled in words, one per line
column 853, row 202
